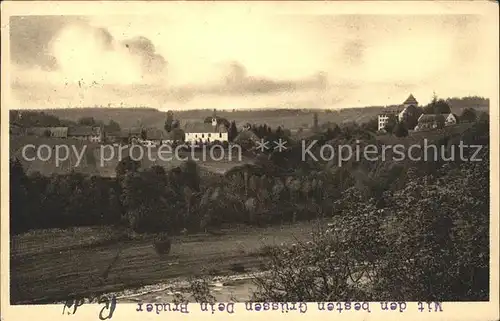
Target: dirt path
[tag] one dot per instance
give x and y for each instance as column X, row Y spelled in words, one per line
column 47, row 276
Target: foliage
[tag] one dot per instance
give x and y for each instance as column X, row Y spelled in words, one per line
column 428, row 242
column 168, row 122
column 233, row 131
column 410, row 116
column 391, row 124
column 400, row 130
column 437, row 106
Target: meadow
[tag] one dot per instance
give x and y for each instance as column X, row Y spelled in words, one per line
column 52, row 264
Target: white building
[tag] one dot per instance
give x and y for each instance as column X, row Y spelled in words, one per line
column 383, row 119
column 205, row 132
column 90, row 133
column 409, row 106
column 450, row 119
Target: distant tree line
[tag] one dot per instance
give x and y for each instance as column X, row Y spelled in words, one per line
column 41, row 119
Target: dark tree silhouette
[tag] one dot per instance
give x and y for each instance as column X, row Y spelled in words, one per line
column 468, row 115
column 233, row 131
column 391, row 124
column 169, row 121
column 400, row 130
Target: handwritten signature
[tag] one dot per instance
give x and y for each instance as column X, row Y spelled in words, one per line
column 71, row 305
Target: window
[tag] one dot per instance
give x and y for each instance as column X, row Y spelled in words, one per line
column 220, row 135
column 202, row 135
column 209, row 135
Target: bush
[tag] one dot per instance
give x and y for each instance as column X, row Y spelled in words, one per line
column 428, row 243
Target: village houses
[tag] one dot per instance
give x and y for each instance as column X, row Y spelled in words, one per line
column 90, row 133
column 434, row 121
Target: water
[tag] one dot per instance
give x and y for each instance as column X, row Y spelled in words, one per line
column 236, row 288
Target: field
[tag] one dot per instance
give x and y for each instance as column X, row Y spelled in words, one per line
column 49, row 265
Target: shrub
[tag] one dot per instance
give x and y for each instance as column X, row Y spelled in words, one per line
column 429, row 242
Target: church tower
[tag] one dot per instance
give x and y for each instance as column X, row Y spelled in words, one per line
column 214, row 119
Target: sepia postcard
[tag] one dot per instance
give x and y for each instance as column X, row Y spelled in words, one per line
column 250, row 159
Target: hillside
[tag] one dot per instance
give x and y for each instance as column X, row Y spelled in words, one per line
column 289, row 118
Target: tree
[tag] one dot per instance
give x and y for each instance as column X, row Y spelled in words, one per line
column 400, row 130
column 127, row 165
column 391, row 124
column 371, row 125
column 428, row 109
column 169, row 121
column 437, row 106
column 440, row 121
column 468, row 115
column 18, row 197
column 190, row 173
column 442, row 107
column 484, row 117
column 87, row 121
column 233, row 131
column 418, row 246
column 411, row 115
column 112, row 126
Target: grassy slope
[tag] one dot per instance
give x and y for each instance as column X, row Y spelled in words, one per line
column 47, row 266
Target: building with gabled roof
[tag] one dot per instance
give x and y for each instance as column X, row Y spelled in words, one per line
column 384, row 117
column 54, row 132
column 430, row 121
column 410, row 101
column 206, row 132
column 410, row 108
column 90, row 133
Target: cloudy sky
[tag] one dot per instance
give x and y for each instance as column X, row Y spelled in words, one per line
column 245, row 60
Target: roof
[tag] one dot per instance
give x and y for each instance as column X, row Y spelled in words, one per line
column 411, row 100
column 204, row 128
column 427, row 118
column 54, row 131
column 84, row 131
column 59, row 131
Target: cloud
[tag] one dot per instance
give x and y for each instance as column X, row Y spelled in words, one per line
column 141, row 46
column 30, row 37
column 77, row 51
column 199, row 61
column 234, row 80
